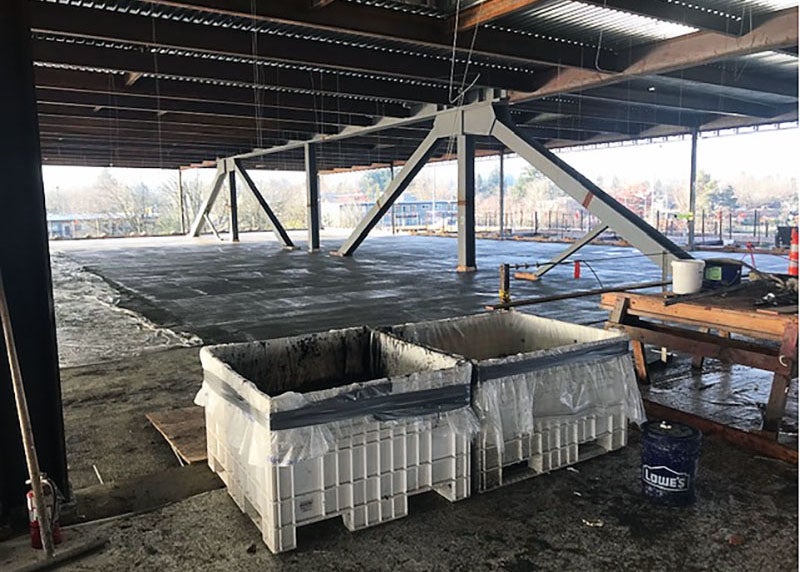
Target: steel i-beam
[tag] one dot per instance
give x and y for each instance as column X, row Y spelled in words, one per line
column 277, row 227
column 200, row 218
column 395, row 188
column 466, row 203
column 234, row 208
column 312, row 197
column 608, row 210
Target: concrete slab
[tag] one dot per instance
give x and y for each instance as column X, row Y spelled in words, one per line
column 256, row 290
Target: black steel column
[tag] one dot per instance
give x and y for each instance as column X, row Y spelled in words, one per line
column 502, row 196
column 25, row 262
column 312, row 195
column 234, row 206
column 466, row 203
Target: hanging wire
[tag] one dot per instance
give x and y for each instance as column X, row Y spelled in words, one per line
column 158, row 93
column 256, row 75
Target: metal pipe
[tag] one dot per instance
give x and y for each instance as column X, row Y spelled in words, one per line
column 578, row 294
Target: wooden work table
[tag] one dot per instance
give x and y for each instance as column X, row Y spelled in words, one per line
column 766, row 339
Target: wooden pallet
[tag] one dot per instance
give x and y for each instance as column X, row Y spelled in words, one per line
column 185, row 431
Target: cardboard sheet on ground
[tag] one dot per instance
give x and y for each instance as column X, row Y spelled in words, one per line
column 185, row 431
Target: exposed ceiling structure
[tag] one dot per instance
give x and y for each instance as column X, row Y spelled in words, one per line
column 168, row 83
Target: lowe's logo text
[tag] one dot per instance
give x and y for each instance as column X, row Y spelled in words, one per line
column 665, row 478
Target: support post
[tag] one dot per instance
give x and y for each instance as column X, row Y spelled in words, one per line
column 312, row 197
column 181, row 201
column 395, row 188
column 234, row 207
column 205, row 208
column 502, row 194
column 573, row 248
column 466, row 203
column 277, row 227
column 25, row 261
column 505, row 284
column 394, row 220
column 781, row 381
column 692, row 188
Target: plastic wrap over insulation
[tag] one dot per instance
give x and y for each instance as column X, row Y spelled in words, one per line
column 535, row 368
column 293, row 426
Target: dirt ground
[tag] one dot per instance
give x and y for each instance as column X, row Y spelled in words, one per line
column 745, row 519
column 535, row 524
column 104, row 413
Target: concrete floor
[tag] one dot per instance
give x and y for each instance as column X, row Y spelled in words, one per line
column 256, row 290
column 745, row 518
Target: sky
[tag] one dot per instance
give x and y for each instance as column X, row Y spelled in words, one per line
column 761, row 153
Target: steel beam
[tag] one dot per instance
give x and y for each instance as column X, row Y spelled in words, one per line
column 779, row 31
column 489, row 10
column 395, row 188
column 25, row 263
column 360, row 21
column 234, row 207
column 277, row 227
column 312, row 197
column 573, row 248
column 111, row 84
column 185, row 66
column 466, row 203
column 230, row 42
column 608, row 210
column 208, row 203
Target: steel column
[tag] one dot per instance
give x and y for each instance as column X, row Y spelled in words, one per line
column 234, row 208
column 202, row 214
column 181, row 201
column 502, row 194
column 394, row 219
column 25, row 261
column 277, row 227
column 395, row 188
column 312, row 197
column 692, row 189
column 466, row 203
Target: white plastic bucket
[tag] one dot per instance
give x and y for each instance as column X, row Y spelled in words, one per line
column 687, row 276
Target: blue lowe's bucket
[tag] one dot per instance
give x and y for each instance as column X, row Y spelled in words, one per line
column 669, row 462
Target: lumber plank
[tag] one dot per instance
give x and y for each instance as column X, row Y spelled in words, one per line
column 746, row 322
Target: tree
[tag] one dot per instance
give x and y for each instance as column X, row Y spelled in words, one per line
column 374, row 182
column 722, row 198
column 134, row 205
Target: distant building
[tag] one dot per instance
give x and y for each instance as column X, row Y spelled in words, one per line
column 86, row 225
column 408, row 214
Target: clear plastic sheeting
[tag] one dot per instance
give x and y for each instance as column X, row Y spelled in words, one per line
column 531, row 368
column 288, row 400
column 92, row 328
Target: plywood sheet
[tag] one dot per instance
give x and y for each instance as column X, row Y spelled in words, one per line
column 185, row 431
